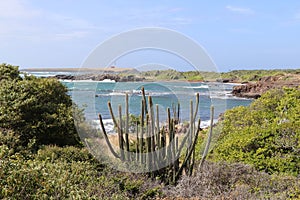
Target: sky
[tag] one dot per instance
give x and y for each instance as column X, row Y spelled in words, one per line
column 248, row 34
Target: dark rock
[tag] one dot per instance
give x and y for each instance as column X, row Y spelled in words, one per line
column 101, row 77
column 64, row 77
column 226, row 80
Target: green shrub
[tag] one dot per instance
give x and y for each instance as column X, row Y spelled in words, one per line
column 36, row 108
column 68, row 154
column 9, row 72
column 266, row 134
column 67, row 173
column 32, row 179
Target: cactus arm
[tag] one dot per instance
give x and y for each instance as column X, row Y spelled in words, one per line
column 127, row 126
column 188, row 154
column 209, row 137
column 106, row 138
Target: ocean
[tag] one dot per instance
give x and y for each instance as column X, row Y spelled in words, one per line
column 93, row 97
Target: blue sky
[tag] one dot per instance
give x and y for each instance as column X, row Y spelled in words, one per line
column 247, row 34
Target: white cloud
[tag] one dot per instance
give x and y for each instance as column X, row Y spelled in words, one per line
column 19, row 20
column 240, row 10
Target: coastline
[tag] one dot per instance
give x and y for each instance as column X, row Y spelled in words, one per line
column 249, row 89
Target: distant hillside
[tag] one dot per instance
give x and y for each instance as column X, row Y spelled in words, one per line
column 236, row 76
column 255, row 75
column 180, row 76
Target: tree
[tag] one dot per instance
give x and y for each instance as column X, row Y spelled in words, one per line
column 9, row 72
column 36, row 108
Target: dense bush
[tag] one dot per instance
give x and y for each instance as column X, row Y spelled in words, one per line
column 68, row 173
column 36, row 109
column 9, row 72
column 266, row 134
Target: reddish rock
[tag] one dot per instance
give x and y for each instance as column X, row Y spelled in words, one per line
column 255, row 90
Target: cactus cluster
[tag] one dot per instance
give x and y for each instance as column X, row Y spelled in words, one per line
column 156, row 149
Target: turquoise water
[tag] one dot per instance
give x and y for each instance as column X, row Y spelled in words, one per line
column 93, row 96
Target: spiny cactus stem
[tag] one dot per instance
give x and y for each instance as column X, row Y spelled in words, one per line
column 137, row 141
column 144, row 98
column 106, row 138
column 112, row 115
column 148, row 139
column 120, row 133
column 157, row 128
column 178, row 112
column 173, row 150
column 188, row 154
column 192, row 120
column 208, row 137
column 142, row 131
column 177, row 158
column 126, row 125
column 163, row 142
column 169, row 123
column 152, row 123
column 194, row 153
column 197, row 105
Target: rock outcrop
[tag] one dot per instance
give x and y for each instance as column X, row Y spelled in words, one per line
column 64, row 77
column 255, row 90
column 100, row 77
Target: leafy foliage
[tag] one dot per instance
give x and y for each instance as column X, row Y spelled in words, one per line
column 266, row 134
column 38, row 109
column 9, row 72
column 52, row 174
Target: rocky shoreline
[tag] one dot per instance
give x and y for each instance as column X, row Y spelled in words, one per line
column 245, row 90
column 256, row 89
column 100, row 77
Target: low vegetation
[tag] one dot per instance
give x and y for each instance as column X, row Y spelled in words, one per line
column 255, row 75
column 67, row 173
column 266, row 134
column 231, row 76
column 256, row 155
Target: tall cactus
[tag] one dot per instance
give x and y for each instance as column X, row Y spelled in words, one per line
column 157, row 148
